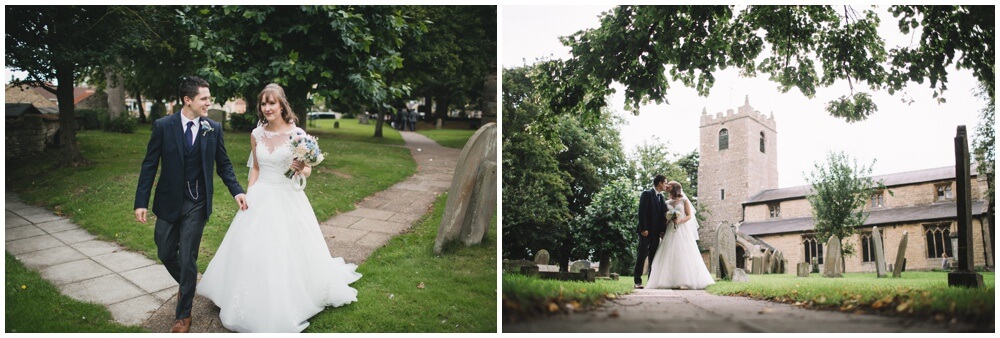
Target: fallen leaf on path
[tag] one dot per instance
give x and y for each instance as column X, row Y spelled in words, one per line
column 553, row 307
column 614, row 314
column 766, row 310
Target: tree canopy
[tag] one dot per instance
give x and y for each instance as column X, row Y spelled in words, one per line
column 645, row 48
column 840, row 189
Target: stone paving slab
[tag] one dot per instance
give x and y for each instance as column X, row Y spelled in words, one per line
column 123, row 261
column 11, row 234
column 374, row 225
column 74, row 271
column 152, row 278
column 135, row 311
column 343, row 221
column 14, row 221
column 96, row 248
column 42, row 217
column 104, row 290
column 339, row 234
column 74, row 236
column 370, row 214
column 32, row 244
column 45, row 258
column 57, row 226
column 696, row 311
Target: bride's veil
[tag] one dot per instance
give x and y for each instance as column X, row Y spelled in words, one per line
column 692, row 224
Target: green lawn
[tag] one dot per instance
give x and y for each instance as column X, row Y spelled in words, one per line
column 451, row 138
column 100, row 197
column 527, row 297
column 32, row 304
column 916, row 294
column 351, row 130
column 459, row 293
column 923, row 294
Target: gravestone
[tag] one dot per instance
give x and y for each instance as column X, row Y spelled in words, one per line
column 438, row 125
column 542, row 257
column 766, row 263
column 471, row 198
column 713, row 261
column 515, row 265
column 578, row 266
column 740, row 276
column 802, row 269
column 966, row 274
column 815, row 265
column 529, row 270
column 880, row 270
column 725, row 250
column 900, row 257
column 779, row 263
column 483, row 204
column 834, row 265
column 757, row 265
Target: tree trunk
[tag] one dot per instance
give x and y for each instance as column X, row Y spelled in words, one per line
column 605, row 269
column 426, row 107
column 70, row 151
column 298, row 98
column 115, row 91
column 142, row 108
column 380, row 112
column 443, row 101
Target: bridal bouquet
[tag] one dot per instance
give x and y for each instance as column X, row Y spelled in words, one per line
column 672, row 215
column 305, row 149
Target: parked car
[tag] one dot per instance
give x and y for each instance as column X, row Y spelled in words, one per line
column 323, row 115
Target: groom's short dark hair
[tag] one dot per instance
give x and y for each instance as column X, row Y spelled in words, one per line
column 658, row 179
column 189, row 87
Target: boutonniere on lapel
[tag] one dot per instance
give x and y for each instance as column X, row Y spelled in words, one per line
column 205, row 127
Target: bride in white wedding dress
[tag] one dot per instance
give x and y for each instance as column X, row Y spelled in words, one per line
column 273, row 270
column 678, row 262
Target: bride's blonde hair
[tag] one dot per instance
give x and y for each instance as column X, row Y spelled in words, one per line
column 675, row 189
column 275, row 91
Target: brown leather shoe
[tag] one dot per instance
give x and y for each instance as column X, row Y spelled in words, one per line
column 181, row 326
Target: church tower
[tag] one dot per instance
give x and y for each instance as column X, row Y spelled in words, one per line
column 739, row 159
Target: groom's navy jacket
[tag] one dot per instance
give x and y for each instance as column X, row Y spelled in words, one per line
column 166, row 143
column 652, row 213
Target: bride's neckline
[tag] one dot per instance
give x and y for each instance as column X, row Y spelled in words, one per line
column 291, row 128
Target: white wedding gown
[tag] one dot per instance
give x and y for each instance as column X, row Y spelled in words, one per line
column 677, row 262
column 273, row 270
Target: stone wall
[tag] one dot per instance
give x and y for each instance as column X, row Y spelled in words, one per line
column 916, row 247
column 28, row 135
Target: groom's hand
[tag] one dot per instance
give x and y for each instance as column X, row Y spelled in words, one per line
column 241, row 200
column 140, row 215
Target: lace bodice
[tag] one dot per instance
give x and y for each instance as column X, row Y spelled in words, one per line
column 274, row 154
column 676, row 205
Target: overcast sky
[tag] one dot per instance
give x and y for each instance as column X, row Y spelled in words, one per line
column 900, row 137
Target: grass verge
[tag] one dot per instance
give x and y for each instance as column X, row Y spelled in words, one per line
column 451, row 138
column 921, row 294
column 528, row 297
column 458, row 292
column 32, row 304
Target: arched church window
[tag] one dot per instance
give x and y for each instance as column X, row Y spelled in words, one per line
column 762, row 142
column 723, row 139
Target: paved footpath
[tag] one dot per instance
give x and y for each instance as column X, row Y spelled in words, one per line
column 139, row 291
column 698, row 311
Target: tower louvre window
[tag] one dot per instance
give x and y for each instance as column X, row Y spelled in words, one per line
column 762, row 142
column 724, row 139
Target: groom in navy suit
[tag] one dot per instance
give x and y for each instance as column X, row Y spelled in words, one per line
column 189, row 145
column 652, row 222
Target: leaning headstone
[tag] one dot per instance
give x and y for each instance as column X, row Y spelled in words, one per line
column 900, row 256
column 774, row 262
column 740, row 276
column 579, row 265
column 802, row 269
column 483, row 205
column 725, row 248
column 588, row 274
column 757, row 266
column 471, row 202
column 614, row 276
column 542, row 257
column 966, row 274
column 880, row 270
column 833, row 267
column 768, row 256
